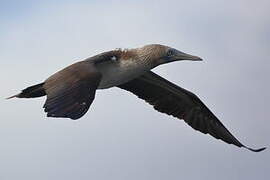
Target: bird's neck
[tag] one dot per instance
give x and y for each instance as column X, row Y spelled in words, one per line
column 131, row 65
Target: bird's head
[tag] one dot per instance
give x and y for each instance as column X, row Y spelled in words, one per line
column 161, row 54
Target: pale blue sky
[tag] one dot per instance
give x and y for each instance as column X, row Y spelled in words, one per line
column 130, row 140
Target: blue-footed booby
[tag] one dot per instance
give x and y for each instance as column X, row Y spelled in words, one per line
column 71, row 91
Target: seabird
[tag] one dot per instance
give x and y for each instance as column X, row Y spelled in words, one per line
column 71, row 91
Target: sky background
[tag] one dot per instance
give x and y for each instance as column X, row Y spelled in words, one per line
column 121, row 137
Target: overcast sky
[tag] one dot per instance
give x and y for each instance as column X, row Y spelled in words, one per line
column 121, row 137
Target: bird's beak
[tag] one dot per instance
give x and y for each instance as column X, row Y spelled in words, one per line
column 183, row 56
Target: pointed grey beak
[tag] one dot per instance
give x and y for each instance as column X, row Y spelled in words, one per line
column 183, row 56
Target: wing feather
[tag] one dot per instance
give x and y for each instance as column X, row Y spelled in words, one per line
column 71, row 91
column 168, row 98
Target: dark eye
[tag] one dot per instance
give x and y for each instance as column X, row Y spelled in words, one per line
column 170, row 52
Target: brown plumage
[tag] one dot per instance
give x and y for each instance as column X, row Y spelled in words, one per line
column 71, row 91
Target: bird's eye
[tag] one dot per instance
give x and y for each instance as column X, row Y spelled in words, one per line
column 170, row 52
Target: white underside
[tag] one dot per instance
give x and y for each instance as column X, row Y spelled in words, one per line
column 117, row 73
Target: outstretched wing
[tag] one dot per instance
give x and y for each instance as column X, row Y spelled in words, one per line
column 71, row 91
column 168, row 98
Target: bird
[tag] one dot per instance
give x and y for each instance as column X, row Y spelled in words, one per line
column 71, row 91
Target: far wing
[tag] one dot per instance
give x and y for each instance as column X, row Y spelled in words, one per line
column 168, row 98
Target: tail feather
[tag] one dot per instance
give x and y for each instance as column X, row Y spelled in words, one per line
column 31, row 92
column 13, row 96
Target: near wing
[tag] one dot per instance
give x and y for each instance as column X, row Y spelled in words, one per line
column 71, row 91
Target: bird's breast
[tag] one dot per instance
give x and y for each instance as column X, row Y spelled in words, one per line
column 114, row 74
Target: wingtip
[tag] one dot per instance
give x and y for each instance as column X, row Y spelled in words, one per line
column 255, row 150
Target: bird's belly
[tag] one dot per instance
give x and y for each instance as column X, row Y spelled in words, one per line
column 115, row 76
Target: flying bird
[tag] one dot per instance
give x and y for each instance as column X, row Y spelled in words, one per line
column 71, row 91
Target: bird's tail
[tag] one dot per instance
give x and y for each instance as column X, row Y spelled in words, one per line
column 31, row 92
